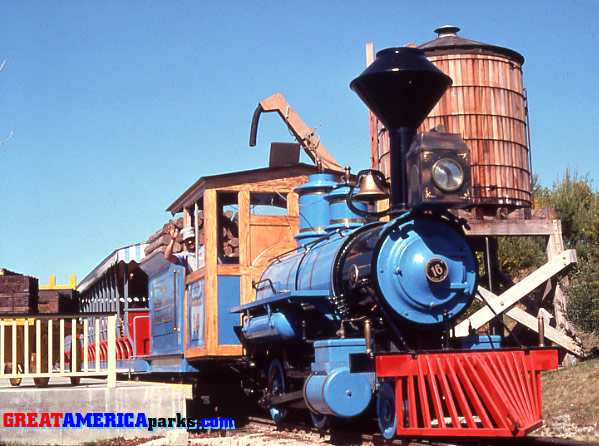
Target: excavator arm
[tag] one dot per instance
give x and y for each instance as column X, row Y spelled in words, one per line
column 305, row 135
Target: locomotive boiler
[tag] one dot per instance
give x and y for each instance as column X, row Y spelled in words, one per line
column 358, row 317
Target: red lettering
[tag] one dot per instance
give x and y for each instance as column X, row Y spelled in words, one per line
column 20, row 420
column 31, row 420
column 8, row 419
column 57, row 417
column 45, row 420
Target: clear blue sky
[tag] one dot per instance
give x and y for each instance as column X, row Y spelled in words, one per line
column 116, row 107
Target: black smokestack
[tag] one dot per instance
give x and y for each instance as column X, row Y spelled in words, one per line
column 401, row 87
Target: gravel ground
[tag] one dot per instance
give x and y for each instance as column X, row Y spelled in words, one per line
column 254, row 434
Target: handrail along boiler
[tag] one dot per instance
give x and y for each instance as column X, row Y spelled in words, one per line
column 360, row 314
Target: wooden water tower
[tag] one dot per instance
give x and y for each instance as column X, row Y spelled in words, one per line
column 487, row 105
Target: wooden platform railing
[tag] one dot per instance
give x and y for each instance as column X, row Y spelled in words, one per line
column 33, row 346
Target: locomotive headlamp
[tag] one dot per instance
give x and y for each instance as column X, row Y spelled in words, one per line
column 448, row 175
column 439, row 171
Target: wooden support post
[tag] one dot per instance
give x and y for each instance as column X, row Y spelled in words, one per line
column 26, row 355
column 2, row 361
column 85, row 344
column 50, row 346
column 492, row 270
column 111, row 360
column 555, row 247
column 373, row 122
column 211, row 210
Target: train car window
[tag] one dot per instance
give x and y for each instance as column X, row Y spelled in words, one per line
column 268, row 203
column 228, row 227
column 195, row 219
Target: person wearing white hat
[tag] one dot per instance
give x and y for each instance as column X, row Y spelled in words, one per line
column 187, row 258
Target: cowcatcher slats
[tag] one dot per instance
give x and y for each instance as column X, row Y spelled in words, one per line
column 467, row 393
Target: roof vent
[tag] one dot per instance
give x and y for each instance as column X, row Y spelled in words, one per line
column 447, row 31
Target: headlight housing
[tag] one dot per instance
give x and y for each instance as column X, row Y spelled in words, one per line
column 447, row 175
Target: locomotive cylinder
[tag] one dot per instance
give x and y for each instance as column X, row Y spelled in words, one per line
column 331, row 389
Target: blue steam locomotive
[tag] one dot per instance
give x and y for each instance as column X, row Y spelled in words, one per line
column 359, row 314
column 353, row 315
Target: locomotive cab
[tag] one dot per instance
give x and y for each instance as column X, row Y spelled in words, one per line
column 242, row 220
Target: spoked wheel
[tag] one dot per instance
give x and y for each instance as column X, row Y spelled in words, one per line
column 320, row 421
column 385, row 411
column 276, row 386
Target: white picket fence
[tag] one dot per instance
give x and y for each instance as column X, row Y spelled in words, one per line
column 34, row 347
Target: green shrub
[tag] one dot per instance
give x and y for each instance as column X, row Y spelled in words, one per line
column 576, row 204
column 583, row 293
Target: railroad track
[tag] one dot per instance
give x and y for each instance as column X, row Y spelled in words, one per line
column 348, row 437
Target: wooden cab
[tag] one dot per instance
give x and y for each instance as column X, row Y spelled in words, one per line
column 242, row 221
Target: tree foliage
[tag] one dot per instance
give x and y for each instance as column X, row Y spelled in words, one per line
column 518, row 255
column 576, row 204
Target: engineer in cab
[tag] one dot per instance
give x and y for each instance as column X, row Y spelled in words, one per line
column 188, row 258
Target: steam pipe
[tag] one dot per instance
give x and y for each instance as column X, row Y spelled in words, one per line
column 400, row 141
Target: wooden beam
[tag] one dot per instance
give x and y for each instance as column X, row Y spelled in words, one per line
column 555, row 246
column 531, row 322
column 304, row 134
column 501, row 303
column 555, row 243
column 244, row 228
column 551, row 333
column 510, row 228
column 211, row 284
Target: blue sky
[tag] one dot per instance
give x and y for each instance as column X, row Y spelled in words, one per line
column 116, row 107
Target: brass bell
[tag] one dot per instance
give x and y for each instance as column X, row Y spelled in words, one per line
column 372, row 186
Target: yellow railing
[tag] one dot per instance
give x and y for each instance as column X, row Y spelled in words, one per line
column 34, row 347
